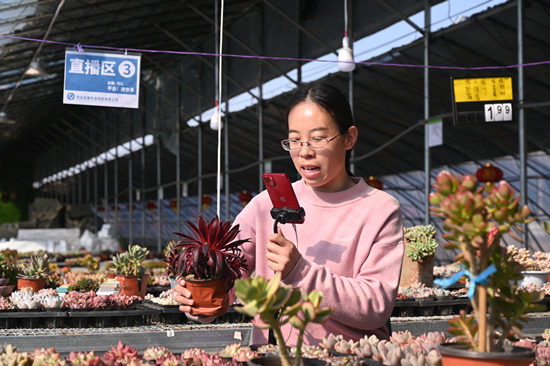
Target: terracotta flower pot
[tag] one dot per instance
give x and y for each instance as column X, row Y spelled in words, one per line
column 6, row 290
column 454, row 354
column 143, row 285
column 128, row 285
column 209, row 296
column 36, row 284
column 417, row 271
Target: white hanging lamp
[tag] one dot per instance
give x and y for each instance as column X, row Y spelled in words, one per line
column 216, row 119
column 345, row 57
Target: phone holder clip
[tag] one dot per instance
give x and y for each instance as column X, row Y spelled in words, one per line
column 285, row 214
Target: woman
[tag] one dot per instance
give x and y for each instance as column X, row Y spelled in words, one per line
column 350, row 246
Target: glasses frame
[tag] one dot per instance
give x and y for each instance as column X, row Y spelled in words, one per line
column 308, row 144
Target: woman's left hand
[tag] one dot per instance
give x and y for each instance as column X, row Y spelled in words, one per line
column 282, row 254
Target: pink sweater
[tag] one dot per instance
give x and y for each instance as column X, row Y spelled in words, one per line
column 352, row 247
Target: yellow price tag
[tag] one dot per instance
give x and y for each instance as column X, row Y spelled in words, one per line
column 483, row 89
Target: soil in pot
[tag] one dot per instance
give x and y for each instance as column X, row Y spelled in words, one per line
column 210, row 296
column 454, row 354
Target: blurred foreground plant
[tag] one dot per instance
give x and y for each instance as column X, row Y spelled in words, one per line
column 278, row 304
column 475, row 218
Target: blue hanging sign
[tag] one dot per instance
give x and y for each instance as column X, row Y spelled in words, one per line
column 101, row 79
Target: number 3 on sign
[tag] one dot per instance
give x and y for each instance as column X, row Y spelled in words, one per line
column 498, row 112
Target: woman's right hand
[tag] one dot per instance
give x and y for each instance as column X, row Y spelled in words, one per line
column 183, row 296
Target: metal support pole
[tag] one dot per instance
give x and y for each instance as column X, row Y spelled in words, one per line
column 131, row 190
column 88, row 197
column 427, row 163
column 106, row 170
column 142, row 195
column 115, row 176
column 178, row 155
column 226, row 147
column 80, row 177
column 298, row 41
column 350, row 83
column 350, row 91
column 159, row 197
column 159, row 180
column 261, row 101
column 199, row 147
column 95, row 192
column 521, row 117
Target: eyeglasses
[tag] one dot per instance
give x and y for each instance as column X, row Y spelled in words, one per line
column 316, row 143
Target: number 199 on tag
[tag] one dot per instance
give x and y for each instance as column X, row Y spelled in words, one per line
column 497, row 112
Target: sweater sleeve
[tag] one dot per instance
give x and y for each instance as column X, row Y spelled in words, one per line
column 370, row 294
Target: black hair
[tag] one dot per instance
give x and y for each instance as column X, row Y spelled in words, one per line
column 332, row 100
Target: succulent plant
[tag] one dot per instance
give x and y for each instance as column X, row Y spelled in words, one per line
column 85, row 359
column 197, row 356
column 9, row 356
column 244, row 354
column 420, row 241
column 51, row 302
column 122, row 301
column 90, row 262
column 25, row 300
column 475, row 218
column 157, row 354
column 38, row 267
column 120, row 355
column 84, row 285
column 210, row 252
column 47, row 357
column 276, row 304
column 136, row 256
column 122, row 264
column 6, row 304
column 7, row 269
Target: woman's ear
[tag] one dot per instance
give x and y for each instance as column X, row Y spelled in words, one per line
column 350, row 138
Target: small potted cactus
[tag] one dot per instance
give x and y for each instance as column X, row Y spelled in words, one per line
column 418, row 263
column 209, row 260
column 34, row 273
column 130, row 273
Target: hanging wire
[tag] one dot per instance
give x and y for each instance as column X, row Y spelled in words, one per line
column 218, row 173
column 346, row 18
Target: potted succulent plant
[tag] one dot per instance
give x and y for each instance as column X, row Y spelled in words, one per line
column 418, row 263
column 34, row 273
column 535, row 268
column 130, row 273
column 277, row 304
column 8, row 276
column 210, row 260
column 475, row 217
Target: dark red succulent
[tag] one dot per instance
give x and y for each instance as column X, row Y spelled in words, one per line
column 209, row 252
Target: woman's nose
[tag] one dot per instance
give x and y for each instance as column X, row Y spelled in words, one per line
column 305, row 150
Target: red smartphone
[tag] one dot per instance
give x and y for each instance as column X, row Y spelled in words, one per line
column 286, row 208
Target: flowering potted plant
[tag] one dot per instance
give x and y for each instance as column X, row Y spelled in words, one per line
column 209, row 260
column 34, row 273
column 418, row 263
column 475, row 217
